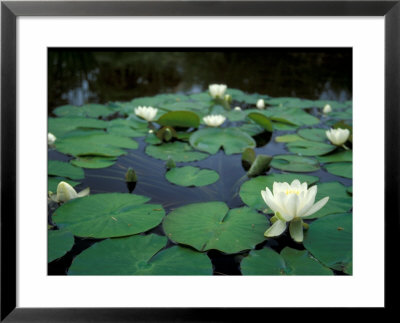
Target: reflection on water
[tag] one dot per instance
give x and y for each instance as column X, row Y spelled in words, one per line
column 78, row 76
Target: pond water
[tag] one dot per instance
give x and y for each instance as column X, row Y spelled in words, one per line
column 113, row 78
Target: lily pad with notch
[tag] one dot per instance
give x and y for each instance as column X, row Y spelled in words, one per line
column 191, row 176
column 310, row 148
column 179, row 151
column 294, row 163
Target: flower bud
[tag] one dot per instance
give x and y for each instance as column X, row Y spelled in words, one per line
column 130, row 176
column 260, row 104
column 327, row 109
column 170, row 163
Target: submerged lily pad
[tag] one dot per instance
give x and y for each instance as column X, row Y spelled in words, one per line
column 53, row 182
column 340, row 169
column 179, row 151
column 58, row 243
column 343, row 156
column 211, row 225
column 94, row 162
column 59, row 168
column 232, row 140
column 250, row 191
column 290, row 262
column 329, row 239
column 314, row 134
column 139, row 255
column 191, row 176
column 310, row 148
column 108, row 215
column 339, row 200
column 295, row 163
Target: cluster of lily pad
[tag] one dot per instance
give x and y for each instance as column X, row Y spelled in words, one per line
column 187, row 128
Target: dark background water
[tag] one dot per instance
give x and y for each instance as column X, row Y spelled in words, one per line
column 77, row 76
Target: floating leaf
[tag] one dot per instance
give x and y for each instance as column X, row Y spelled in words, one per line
column 179, row 151
column 59, row 168
column 288, row 138
column 250, row 191
column 179, row 119
column 248, row 157
column 310, row 148
column 259, row 166
column 93, row 162
column 295, row 163
column 211, row 225
column 329, row 239
column 60, row 126
column 292, row 116
column 314, row 134
column 290, row 262
column 261, row 120
column 126, row 131
column 139, row 255
column 340, row 169
column 58, row 243
column 232, row 140
column 191, row 176
column 89, row 110
column 343, row 156
column 108, row 215
column 339, row 200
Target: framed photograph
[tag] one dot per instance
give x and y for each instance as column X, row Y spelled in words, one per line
column 183, row 160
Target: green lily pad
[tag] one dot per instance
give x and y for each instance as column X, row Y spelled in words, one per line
column 350, row 190
column 236, row 115
column 250, row 191
column 290, row 262
column 53, row 182
column 288, row 138
column 260, row 165
column 343, row 156
column 94, row 162
column 339, row 200
column 329, row 239
column 89, row 110
column 232, row 140
column 183, row 106
column 126, row 131
column 251, row 129
column 108, row 215
column 59, row 242
column 139, row 255
column 179, row 119
column 293, row 116
column 179, row 151
column 59, row 168
column 261, row 120
column 310, row 148
column 95, row 145
column 60, row 126
column 211, row 225
column 340, row 169
column 314, row 134
column 191, row 176
column 293, row 163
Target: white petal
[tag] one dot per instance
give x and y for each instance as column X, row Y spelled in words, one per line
column 296, row 230
column 317, row 206
column 291, row 204
column 270, row 200
column 84, row 192
column 276, row 229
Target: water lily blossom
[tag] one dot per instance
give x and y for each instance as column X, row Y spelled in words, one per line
column 327, row 109
column 291, row 203
column 214, row 120
column 66, row 192
column 147, row 113
column 217, row 91
column 260, row 104
column 51, row 139
column 237, row 109
column 338, row 136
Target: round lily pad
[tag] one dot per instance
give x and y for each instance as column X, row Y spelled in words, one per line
column 59, row 168
column 93, row 162
column 179, row 151
column 293, row 116
column 232, row 140
column 58, row 243
column 329, row 239
column 339, row 201
column 343, row 156
column 179, row 119
column 310, row 148
column 108, row 215
column 295, row 163
column 191, row 176
column 250, row 191
column 289, row 262
column 288, row 138
column 314, row 134
column 139, row 255
column 211, row 225
column 340, row 169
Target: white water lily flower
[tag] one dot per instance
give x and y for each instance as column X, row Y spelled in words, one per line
column 147, row 113
column 214, row 120
column 338, row 136
column 291, row 203
column 327, row 109
column 51, row 138
column 260, row 104
column 217, row 90
column 66, row 192
column 237, row 109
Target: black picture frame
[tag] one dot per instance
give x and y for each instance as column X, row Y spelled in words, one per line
column 10, row 10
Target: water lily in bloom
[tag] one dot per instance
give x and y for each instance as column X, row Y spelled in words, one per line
column 260, row 104
column 51, row 139
column 147, row 113
column 217, row 91
column 214, row 120
column 291, row 203
column 327, row 109
column 338, row 136
column 66, row 192
column 237, row 109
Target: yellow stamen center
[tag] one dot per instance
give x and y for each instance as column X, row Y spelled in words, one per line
column 297, row 192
